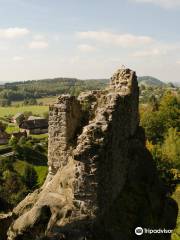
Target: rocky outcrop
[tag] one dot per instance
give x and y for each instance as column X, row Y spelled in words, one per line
column 102, row 182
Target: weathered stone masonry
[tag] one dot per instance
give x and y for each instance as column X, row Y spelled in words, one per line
column 64, row 119
column 102, row 182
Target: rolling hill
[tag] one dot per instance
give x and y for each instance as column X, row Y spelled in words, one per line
column 35, row 89
column 145, row 80
column 151, row 81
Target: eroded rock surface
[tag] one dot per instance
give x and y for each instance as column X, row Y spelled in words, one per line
column 102, row 182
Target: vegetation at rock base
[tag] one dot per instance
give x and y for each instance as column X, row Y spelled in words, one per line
column 23, row 172
column 162, row 126
column 12, row 188
column 30, row 177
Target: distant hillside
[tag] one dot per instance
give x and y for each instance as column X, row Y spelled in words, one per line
column 34, row 89
column 151, row 81
column 93, row 83
column 54, row 81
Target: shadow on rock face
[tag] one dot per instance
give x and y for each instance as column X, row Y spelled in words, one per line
column 39, row 228
column 79, row 230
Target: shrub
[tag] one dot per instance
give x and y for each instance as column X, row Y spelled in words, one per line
column 30, row 177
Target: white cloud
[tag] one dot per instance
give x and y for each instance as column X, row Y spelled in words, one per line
column 38, row 37
column 157, row 49
column 73, row 60
column 148, row 53
column 123, row 40
column 17, row 58
column 38, row 44
column 178, row 62
column 3, row 47
column 11, row 33
column 86, row 48
column 56, row 37
column 162, row 3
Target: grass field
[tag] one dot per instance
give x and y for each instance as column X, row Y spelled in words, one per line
column 47, row 101
column 39, row 136
column 5, row 111
column 44, row 101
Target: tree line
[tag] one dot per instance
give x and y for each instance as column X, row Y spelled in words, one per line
column 20, row 91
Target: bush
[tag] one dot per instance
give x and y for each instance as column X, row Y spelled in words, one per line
column 164, row 167
column 171, row 147
column 12, row 187
column 30, row 101
column 30, row 177
column 157, row 123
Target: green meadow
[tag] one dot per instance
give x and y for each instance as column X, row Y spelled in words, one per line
column 12, row 110
column 46, row 101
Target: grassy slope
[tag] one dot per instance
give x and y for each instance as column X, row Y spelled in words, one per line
column 39, row 136
column 150, row 81
column 45, row 101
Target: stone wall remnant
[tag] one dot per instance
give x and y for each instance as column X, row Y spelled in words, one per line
column 64, row 120
column 102, row 181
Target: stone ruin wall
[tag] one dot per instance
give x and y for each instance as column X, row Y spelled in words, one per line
column 64, row 118
column 113, row 119
column 91, row 162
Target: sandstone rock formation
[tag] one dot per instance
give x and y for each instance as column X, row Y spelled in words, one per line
column 102, row 182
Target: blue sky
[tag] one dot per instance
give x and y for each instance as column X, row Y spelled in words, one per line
column 89, row 39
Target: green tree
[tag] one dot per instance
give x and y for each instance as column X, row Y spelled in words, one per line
column 164, row 167
column 171, row 147
column 30, row 177
column 30, row 101
column 142, row 87
column 153, row 123
column 12, row 187
column 22, row 140
column 154, row 103
column 13, row 142
column 157, row 123
column 6, row 164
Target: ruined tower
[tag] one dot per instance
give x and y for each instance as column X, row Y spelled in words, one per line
column 64, row 119
column 102, row 182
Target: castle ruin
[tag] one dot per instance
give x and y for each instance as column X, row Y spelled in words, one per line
column 101, row 182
